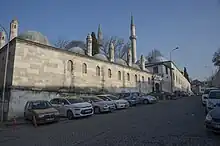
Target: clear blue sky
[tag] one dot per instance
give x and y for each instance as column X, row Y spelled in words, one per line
column 193, row 25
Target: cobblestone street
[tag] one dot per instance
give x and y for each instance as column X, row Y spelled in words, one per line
column 177, row 122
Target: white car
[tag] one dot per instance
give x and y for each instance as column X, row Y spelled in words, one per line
column 72, row 107
column 119, row 103
column 146, row 99
column 213, row 100
column 205, row 94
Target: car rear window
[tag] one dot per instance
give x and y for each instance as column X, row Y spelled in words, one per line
column 214, row 95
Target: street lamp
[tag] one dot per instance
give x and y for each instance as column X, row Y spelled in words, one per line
column 5, row 73
column 171, row 72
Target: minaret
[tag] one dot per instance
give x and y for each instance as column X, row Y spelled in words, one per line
column 111, row 52
column 129, row 57
column 13, row 29
column 89, row 45
column 99, row 36
column 133, row 41
column 2, row 39
column 142, row 62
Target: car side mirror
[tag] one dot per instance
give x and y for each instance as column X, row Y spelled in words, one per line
column 62, row 104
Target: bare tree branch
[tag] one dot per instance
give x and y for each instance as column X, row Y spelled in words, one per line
column 121, row 47
column 61, row 43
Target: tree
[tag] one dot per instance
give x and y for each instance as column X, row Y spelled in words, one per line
column 185, row 73
column 61, row 43
column 120, row 45
column 95, row 45
column 216, row 58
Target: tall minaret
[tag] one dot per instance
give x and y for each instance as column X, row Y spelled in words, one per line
column 13, row 29
column 99, row 35
column 111, row 52
column 2, row 39
column 133, row 40
column 89, row 45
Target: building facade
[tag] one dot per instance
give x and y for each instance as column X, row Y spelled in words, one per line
column 37, row 70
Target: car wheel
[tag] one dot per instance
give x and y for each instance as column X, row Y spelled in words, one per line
column 145, row 101
column 96, row 110
column 70, row 115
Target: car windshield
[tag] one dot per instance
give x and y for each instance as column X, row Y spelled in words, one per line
column 208, row 90
column 214, row 95
column 125, row 95
column 113, row 97
column 103, row 97
column 75, row 100
column 41, row 105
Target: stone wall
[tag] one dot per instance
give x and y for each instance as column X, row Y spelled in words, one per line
column 46, row 67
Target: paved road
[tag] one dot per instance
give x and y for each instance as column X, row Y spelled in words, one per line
column 178, row 122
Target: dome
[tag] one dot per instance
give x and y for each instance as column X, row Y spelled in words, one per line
column 35, row 37
column 159, row 59
column 101, row 57
column 77, row 50
column 121, row 61
column 136, row 66
column 75, row 43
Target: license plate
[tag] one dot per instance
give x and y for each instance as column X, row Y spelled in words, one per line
column 50, row 119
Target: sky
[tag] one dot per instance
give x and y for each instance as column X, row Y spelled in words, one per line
column 192, row 25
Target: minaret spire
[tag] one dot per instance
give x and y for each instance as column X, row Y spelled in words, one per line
column 99, row 35
column 133, row 41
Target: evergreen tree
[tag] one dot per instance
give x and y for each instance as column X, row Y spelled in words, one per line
column 186, row 75
column 95, row 45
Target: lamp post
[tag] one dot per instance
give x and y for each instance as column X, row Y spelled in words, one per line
column 5, row 73
column 212, row 75
column 171, row 72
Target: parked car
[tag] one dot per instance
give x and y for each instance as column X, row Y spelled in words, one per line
column 119, row 103
column 41, row 111
column 99, row 105
column 72, row 107
column 130, row 97
column 205, row 94
column 212, row 100
column 212, row 120
column 148, row 99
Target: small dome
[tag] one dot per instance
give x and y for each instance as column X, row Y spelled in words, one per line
column 159, row 59
column 75, row 43
column 136, row 66
column 121, row 61
column 77, row 50
column 101, row 57
column 35, row 37
column 146, row 70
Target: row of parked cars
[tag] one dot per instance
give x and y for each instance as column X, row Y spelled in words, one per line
column 211, row 102
column 42, row 111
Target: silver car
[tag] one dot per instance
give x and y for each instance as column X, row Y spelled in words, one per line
column 119, row 103
column 98, row 104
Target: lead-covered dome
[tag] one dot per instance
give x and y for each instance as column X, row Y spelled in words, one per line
column 75, row 43
column 159, row 59
column 121, row 61
column 136, row 66
column 101, row 57
column 77, row 50
column 35, row 37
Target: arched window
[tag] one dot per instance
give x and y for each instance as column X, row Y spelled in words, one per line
column 135, row 78
column 98, row 71
column 109, row 73
column 119, row 75
column 128, row 76
column 143, row 79
column 148, row 80
column 84, row 68
column 70, row 66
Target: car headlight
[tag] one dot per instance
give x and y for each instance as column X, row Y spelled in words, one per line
column 76, row 109
column 57, row 113
column 41, row 115
column 208, row 117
